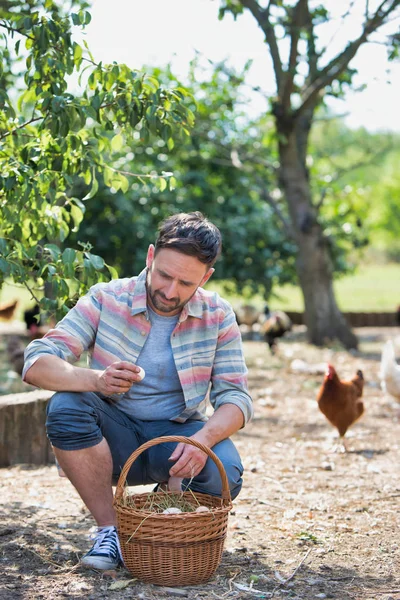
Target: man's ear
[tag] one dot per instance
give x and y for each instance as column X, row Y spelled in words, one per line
column 150, row 256
column 207, row 276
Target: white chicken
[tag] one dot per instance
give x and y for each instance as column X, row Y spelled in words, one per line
column 390, row 371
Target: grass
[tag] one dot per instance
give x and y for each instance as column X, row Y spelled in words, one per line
column 371, row 288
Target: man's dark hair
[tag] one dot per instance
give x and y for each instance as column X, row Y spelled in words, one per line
column 191, row 234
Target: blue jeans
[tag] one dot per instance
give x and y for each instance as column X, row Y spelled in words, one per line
column 77, row 420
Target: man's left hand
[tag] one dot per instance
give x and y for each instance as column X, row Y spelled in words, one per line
column 189, row 461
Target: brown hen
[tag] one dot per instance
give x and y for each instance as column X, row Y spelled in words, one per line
column 340, row 401
column 7, row 310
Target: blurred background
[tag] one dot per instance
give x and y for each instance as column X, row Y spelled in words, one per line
column 279, row 121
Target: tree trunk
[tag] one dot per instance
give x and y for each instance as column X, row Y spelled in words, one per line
column 22, row 429
column 323, row 318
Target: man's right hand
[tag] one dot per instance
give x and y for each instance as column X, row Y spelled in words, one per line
column 118, row 378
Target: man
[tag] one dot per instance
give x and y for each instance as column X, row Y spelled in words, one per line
column 187, row 342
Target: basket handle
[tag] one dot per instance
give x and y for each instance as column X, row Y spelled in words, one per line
column 225, row 495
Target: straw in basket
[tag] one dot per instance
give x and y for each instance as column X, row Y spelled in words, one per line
column 172, row 549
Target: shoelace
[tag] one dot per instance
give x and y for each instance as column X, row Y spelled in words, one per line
column 106, row 541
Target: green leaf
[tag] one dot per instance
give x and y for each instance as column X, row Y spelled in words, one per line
column 77, row 216
column 96, row 261
column 53, row 250
column 4, row 266
column 63, row 231
column 48, row 304
column 94, row 188
column 3, row 246
column 62, row 288
column 113, row 272
column 77, row 54
column 117, row 142
column 152, row 83
column 124, row 183
column 88, row 269
column 68, row 256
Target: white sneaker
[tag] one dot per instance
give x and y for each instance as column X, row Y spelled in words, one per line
column 105, row 552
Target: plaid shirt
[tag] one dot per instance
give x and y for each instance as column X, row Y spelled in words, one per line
column 111, row 322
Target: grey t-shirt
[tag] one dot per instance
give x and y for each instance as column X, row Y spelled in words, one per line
column 159, row 395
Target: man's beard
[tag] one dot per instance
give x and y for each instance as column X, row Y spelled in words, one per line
column 158, row 299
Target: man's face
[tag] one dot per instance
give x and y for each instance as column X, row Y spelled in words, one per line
column 172, row 279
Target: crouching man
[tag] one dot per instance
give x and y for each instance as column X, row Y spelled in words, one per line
column 187, row 342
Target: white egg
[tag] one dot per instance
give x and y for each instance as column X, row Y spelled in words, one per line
column 173, row 510
column 141, row 374
column 202, row 509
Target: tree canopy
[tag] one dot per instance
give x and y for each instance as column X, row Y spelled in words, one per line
column 49, row 136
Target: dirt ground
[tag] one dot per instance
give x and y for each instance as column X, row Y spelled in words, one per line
column 309, row 523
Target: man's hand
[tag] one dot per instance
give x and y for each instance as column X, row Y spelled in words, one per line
column 118, row 378
column 189, row 461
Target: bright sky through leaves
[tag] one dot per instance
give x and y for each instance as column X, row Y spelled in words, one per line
column 156, row 32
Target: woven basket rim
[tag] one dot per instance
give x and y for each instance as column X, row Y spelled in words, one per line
column 157, row 515
column 138, row 511
column 216, row 502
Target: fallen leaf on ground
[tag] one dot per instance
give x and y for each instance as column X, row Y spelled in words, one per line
column 121, row 584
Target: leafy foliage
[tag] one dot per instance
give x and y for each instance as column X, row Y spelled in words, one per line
column 50, row 136
column 208, row 176
column 345, row 166
column 224, row 169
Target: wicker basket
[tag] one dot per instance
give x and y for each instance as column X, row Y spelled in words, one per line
column 172, row 549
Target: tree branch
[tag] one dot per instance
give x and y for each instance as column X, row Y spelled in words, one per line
column 130, row 174
column 338, row 29
column 14, row 30
column 262, row 17
column 299, row 14
column 349, row 9
column 337, row 65
column 30, row 290
column 329, row 118
column 7, row 133
column 311, row 47
column 266, row 196
column 242, row 155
